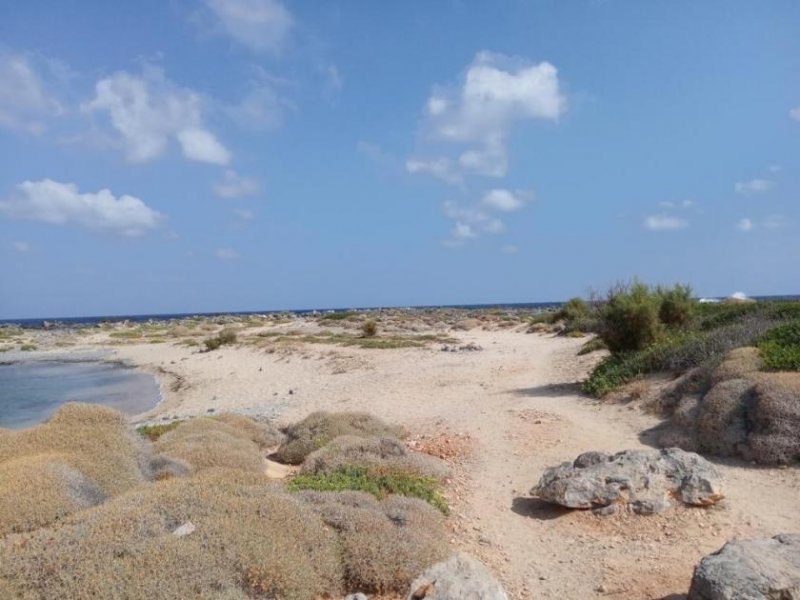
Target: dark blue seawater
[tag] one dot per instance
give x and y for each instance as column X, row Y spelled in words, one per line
column 31, row 391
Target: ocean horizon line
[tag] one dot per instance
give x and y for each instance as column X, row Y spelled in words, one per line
column 138, row 318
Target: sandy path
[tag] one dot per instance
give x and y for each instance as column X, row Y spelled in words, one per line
column 517, row 401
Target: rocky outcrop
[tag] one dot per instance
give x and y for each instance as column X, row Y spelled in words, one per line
column 757, row 569
column 458, row 577
column 646, row 481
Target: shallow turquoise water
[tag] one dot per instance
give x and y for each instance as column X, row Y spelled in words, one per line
column 31, row 391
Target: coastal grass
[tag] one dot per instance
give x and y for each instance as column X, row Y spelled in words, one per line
column 368, row 342
column 154, row 431
column 376, row 481
column 339, row 315
column 780, row 348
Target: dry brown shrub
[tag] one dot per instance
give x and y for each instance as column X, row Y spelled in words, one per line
column 740, row 363
column 40, row 489
column 373, row 452
column 205, row 443
column 319, row 428
column 776, row 418
column 720, row 426
column 262, row 433
column 248, row 537
column 385, row 544
column 95, row 440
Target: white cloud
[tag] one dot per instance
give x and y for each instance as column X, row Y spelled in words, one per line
column 260, row 25
column 443, row 168
column 775, row 168
column 25, row 104
column 795, row 113
column 683, row 204
column 261, row 108
column 496, row 91
column 335, row 81
column 226, row 254
column 509, row 249
column 234, row 185
column 244, row 214
column 664, row 223
column 61, row 203
column 503, row 200
column 463, row 231
column 754, row 186
column 21, row 247
column 148, row 112
column 744, row 225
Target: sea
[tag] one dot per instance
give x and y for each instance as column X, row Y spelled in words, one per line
column 31, row 391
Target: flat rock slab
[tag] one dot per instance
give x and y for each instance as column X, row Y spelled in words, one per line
column 757, row 569
column 646, row 481
column 458, row 578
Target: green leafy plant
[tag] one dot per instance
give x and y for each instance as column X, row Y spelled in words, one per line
column 380, row 483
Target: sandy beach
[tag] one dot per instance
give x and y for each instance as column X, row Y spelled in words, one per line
column 500, row 404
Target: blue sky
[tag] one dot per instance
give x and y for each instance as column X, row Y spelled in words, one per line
column 214, row 155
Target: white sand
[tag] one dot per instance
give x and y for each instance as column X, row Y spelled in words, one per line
column 511, row 399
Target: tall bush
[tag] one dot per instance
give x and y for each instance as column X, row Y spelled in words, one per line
column 677, row 305
column 630, row 317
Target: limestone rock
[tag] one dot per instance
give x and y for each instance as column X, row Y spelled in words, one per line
column 756, row 569
column 457, row 578
column 648, row 481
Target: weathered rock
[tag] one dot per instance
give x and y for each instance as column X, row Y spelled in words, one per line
column 645, row 480
column 757, row 569
column 457, row 578
column 356, row 596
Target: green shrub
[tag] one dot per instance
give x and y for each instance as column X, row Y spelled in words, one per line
column 369, row 328
column 339, row 316
column 227, row 336
column 155, row 431
column 593, row 345
column 378, row 482
column 630, row 318
column 677, row 305
column 27, row 347
column 780, row 348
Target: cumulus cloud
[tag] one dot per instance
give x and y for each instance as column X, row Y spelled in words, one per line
column 683, row 204
column 21, row 247
column 664, row 223
column 234, row 185
column 442, row 168
column 480, row 217
column 503, row 200
column 753, row 186
column 261, row 108
column 226, row 254
column 263, row 26
column 744, row 225
column 61, row 204
column 25, row 104
column 496, row 92
column 149, row 111
column 795, row 113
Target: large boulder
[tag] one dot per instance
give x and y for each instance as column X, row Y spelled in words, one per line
column 458, row 577
column 757, row 569
column 646, row 481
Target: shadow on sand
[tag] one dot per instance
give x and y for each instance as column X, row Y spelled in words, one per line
column 554, row 390
column 534, row 508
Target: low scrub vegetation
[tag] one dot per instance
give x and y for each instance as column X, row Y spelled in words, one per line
column 780, row 348
column 369, row 328
column 227, row 336
column 376, row 481
column 320, row 428
column 339, row 316
column 98, row 514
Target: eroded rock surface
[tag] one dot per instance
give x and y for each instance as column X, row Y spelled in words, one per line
column 647, row 481
column 763, row 568
column 457, row 578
